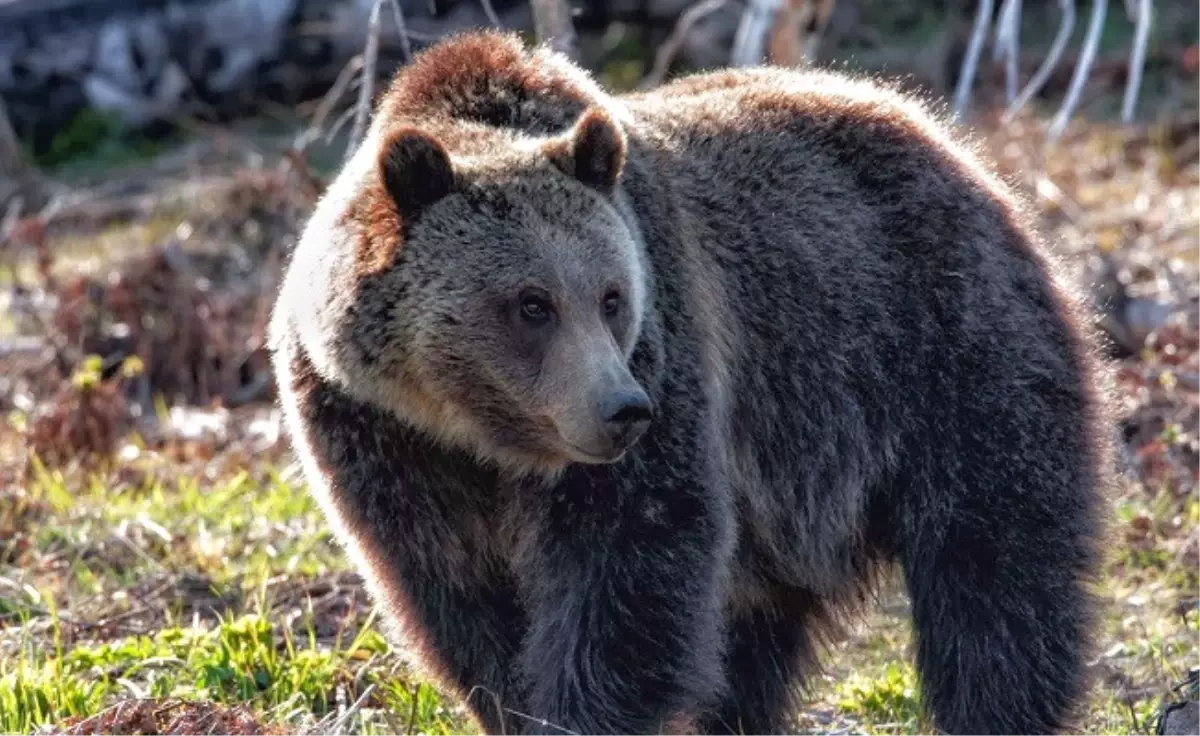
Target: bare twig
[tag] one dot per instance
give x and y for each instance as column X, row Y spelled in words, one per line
column 824, row 15
column 552, row 23
column 962, row 91
column 401, row 30
column 490, row 12
column 367, row 88
column 1137, row 62
column 539, row 721
column 366, row 83
column 340, row 85
column 1083, row 68
column 340, row 123
column 749, row 43
column 670, row 48
column 343, row 720
column 1065, row 29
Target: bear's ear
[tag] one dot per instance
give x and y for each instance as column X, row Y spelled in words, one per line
column 593, row 151
column 416, row 171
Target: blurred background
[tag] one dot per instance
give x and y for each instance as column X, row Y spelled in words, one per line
column 162, row 569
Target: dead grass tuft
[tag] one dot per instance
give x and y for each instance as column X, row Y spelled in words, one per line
column 167, row 716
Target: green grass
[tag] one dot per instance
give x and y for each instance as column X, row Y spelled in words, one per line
column 95, row 140
column 237, row 528
column 872, row 687
column 241, row 537
column 242, row 660
column 223, row 584
column 888, row 698
column 218, row 573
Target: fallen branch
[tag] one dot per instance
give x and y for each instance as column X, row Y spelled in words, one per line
column 22, row 346
column 17, row 178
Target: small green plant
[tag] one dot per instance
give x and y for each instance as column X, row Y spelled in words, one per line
column 888, row 701
column 243, row 660
column 33, row 696
column 94, row 137
column 237, row 532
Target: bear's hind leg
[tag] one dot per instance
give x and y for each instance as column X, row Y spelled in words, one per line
column 1001, row 613
column 769, row 652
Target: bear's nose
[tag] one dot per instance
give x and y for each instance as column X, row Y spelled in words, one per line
column 626, row 414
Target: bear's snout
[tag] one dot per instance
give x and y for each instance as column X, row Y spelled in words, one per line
column 625, row 414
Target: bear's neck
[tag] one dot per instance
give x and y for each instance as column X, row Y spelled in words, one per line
column 386, row 449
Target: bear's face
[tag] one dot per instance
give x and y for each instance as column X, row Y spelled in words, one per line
column 516, row 298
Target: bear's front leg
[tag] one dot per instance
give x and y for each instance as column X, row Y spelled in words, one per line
column 467, row 631
column 406, row 510
column 622, row 567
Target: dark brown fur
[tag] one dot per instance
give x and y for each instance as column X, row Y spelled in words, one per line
column 856, row 350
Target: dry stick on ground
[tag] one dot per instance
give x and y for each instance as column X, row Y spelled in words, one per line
column 670, row 49
column 335, row 723
column 552, row 23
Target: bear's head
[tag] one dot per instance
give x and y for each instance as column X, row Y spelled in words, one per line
column 500, row 294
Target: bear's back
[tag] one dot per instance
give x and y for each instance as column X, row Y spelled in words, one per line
column 858, row 250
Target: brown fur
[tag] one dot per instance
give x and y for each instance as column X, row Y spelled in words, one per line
column 376, row 219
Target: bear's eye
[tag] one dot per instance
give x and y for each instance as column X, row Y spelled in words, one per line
column 612, row 304
column 535, row 310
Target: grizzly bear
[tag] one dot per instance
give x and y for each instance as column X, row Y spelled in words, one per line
column 620, row 402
